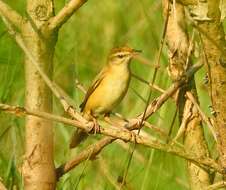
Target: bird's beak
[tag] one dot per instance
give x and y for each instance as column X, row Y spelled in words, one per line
column 136, row 52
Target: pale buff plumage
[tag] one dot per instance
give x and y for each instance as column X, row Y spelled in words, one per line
column 108, row 88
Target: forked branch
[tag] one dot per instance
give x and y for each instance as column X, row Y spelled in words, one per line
column 65, row 13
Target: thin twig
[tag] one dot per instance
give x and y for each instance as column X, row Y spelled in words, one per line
column 138, row 95
column 15, row 18
column 20, row 111
column 91, row 150
column 67, row 107
column 159, row 130
column 156, row 103
column 114, row 132
column 145, row 61
column 186, row 118
column 202, row 114
column 139, row 156
column 171, row 125
column 65, row 13
column 155, row 87
column 104, row 169
column 143, row 117
column 79, row 85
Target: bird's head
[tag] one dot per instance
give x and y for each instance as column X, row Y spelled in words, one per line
column 122, row 55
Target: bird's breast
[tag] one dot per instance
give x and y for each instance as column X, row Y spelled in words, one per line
column 110, row 91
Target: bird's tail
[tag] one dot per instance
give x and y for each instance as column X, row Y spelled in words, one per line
column 78, row 136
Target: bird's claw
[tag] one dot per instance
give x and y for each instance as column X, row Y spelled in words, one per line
column 96, row 127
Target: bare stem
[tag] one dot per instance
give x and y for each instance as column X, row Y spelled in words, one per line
column 67, row 107
column 65, row 13
column 115, row 133
column 202, row 114
column 15, row 18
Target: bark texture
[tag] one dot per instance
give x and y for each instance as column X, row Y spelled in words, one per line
column 38, row 167
column 179, row 53
column 194, row 141
column 213, row 38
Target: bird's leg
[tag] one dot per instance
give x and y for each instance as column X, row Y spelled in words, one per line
column 107, row 117
column 96, row 126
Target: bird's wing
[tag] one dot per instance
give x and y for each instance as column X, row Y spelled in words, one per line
column 94, row 85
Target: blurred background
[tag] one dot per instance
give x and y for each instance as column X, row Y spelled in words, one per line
column 82, row 48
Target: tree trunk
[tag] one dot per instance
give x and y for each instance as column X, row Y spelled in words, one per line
column 179, row 62
column 215, row 51
column 38, row 167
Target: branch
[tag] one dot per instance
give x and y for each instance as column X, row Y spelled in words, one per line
column 2, row 186
column 20, row 111
column 145, row 61
column 153, row 86
column 65, row 13
column 180, row 46
column 11, row 15
column 94, row 149
column 54, row 88
column 187, row 2
column 203, row 116
column 90, row 152
column 160, row 131
column 217, row 185
column 214, row 46
column 116, row 133
column 157, row 103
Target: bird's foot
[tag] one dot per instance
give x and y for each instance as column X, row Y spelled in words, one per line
column 96, row 127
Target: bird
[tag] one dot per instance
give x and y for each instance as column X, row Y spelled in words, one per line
column 107, row 89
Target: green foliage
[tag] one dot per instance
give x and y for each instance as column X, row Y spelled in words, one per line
column 81, row 50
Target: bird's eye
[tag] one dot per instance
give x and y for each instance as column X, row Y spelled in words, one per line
column 120, row 56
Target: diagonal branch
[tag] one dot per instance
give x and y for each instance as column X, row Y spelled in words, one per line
column 155, row 104
column 91, row 151
column 217, row 185
column 54, row 88
column 203, row 116
column 15, row 18
column 116, row 133
column 20, row 111
column 2, row 186
column 65, row 13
